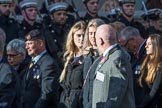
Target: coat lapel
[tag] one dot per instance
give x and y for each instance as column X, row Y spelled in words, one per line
column 39, row 62
column 104, row 59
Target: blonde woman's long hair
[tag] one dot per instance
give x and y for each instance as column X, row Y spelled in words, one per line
column 92, row 23
column 70, row 48
column 153, row 62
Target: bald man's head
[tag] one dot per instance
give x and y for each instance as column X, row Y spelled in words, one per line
column 106, row 31
column 105, row 36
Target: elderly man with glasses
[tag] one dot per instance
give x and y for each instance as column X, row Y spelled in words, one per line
column 7, row 78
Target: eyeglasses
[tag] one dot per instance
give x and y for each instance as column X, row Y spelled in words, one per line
column 12, row 55
column 128, row 41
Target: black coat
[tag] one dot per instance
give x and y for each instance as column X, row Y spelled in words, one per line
column 90, row 65
column 152, row 30
column 87, row 18
column 20, row 71
column 40, row 84
column 136, row 65
column 10, row 27
column 135, row 24
column 55, row 36
column 7, row 86
column 71, row 96
column 152, row 94
column 25, row 28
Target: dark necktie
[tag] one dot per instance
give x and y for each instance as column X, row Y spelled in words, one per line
column 30, row 66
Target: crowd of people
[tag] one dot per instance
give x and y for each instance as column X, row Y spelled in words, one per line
column 66, row 61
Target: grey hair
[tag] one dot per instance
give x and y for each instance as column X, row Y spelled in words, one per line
column 2, row 40
column 17, row 45
column 128, row 32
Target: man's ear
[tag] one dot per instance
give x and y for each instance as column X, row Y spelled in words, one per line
column 101, row 41
column 40, row 42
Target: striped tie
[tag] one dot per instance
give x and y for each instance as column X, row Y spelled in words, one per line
column 32, row 63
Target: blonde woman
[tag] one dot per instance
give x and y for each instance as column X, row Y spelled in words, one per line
column 72, row 75
column 91, row 52
column 150, row 79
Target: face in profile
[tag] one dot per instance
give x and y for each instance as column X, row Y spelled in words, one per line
column 78, row 38
column 32, row 47
column 149, row 46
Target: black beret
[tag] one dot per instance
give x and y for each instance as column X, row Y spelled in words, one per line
column 34, row 35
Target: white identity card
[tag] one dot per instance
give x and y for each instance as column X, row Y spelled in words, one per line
column 100, row 76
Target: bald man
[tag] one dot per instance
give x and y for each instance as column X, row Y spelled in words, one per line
column 113, row 85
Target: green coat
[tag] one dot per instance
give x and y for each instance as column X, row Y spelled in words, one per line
column 113, row 82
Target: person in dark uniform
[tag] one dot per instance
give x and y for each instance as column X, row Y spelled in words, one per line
column 44, row 8
column 29, row 11
column 92, row 8
column 47, row 18
column 56, row 31
column 126, row 17
column 7, row 79
column 9, row 25
column 152, row 21
column 15, row 10
column 40, row 82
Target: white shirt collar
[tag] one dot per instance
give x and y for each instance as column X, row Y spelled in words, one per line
column 108, row 49
column 39, row 56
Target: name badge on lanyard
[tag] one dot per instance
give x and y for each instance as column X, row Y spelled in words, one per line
column 100, row 76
